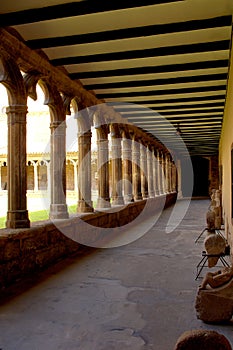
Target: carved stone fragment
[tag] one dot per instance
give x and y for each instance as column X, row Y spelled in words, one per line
column 202, row 339
column 215, row 304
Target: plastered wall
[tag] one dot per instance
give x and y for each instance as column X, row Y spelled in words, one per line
column 226, row 144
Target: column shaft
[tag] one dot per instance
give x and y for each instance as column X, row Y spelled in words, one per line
column 127, row 168
column 35, row 168
column 103, row 200
column 143, row 166
column 150, row 173
column 137, row 194
column 84, row 173
column 117, row 197
column 159, row 177
column 17, row 215
column 163, row 173
column 155, row 172
column 58, row 207
column 75, row 177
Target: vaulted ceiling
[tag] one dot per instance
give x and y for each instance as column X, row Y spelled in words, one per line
column 162, row 64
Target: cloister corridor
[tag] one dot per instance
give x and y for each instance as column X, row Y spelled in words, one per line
column 137, row 296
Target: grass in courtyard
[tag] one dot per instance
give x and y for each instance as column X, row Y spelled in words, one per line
column 39, row 215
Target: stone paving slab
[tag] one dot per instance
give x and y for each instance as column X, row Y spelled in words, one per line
column 137, row 297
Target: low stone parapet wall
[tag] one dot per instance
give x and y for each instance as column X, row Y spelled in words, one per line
column 23, row 251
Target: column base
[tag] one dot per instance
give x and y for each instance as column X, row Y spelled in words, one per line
column 58, row 211
column 138, row 197
column 118, row 201
column 128, row 198
column 103, row 203
column 85, row 207
column 180, row 195
column 17, row 219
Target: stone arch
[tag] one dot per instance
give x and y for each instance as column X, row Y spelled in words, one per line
column 12, row 79
column 57, row 166
column 84, row 120
column 81, row 113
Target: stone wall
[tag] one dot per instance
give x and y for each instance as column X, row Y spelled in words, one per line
column 23, row 251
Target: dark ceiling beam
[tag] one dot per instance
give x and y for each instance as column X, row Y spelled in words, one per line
column 77, row 8
column 161, row 92
column 154, row 52
column 167, row 101
column 164, row 81
column 149, row 69
column 146, row 111
column 127, row 33
column 159, row 116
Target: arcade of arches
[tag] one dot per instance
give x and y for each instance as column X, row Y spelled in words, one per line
column 131, row 166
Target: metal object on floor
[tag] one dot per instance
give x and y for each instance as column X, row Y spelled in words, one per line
column 205, row 256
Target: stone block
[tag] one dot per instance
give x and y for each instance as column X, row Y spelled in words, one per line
column 11, row 250
column 214, row 245
column 202, row 339
column 215, row 304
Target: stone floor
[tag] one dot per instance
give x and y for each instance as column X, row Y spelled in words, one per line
column 138, row 296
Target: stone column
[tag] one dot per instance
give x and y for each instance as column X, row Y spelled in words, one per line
column 0, row 176
column 103, row 200
column 17, row 215
column 136, row 171
column 58, row 207
column 127, row 166
column 117, row 197
column 159, row 177
column 155, row 172
column 162, row 164
column 179, row 179
column 35, row 168
column 75, row 176
column 144, row 172
column 48, row 177
column 85, row 204
column 150, row 172
column 166, row 174
column 171, row 174
column 174, row 177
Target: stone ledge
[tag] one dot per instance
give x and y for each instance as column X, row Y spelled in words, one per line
column 24, row 251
